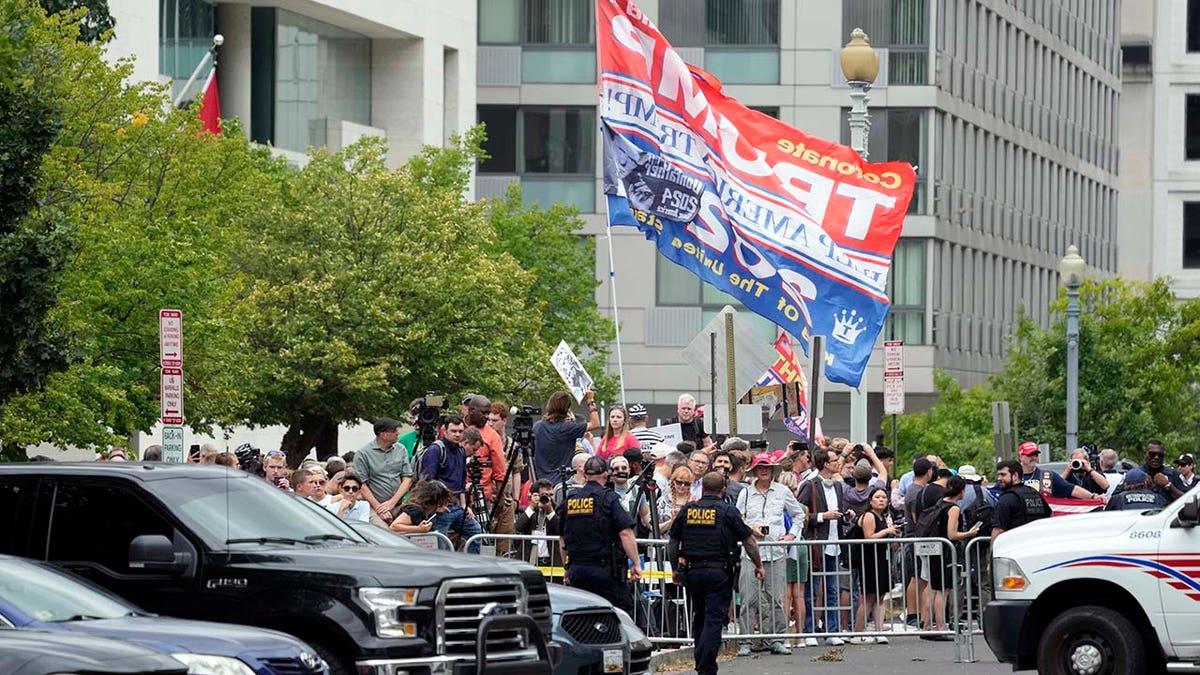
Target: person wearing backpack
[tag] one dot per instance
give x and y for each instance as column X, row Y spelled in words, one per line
column 942, row 520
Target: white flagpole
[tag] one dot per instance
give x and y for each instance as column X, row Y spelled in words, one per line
column 612, row 283
column 218, row 40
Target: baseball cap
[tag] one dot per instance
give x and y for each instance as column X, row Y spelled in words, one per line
column 661, row 450
column 1185, row 460
column 761, row 459
column 595, row 466
column 968, row 473
column 862, row 471
column 632, row 454
column 1028, row 448
column 1135, row 475
column 637, row 410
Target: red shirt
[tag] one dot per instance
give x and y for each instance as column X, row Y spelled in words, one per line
column 611, row 447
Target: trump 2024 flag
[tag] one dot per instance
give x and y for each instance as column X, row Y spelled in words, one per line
column 799, row 229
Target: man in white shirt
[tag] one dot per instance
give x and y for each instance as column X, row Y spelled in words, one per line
column 762, row 505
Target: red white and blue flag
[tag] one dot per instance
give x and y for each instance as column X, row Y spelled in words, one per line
column 797, row 228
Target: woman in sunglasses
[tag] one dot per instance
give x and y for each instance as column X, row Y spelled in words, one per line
column 350, row 507
column 680, row 494
column 427, row 500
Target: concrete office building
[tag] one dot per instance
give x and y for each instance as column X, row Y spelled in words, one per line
column 1007, row 107
column 303, row 73
column 1160, row 143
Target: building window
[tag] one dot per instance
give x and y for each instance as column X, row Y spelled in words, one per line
column 185, row 33
column 322, row 75
column 553, row 150
column 901, row 27
column 537, row 22
column 1193, row 26
column 740, row 38
column 1191, row 235
column 1191, row 140
column 677, row 286
column 906, row 290
column 897, row 135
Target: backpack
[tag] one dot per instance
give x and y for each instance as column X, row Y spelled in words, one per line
column 980, row 511
column 421, row 458
column 928, row 525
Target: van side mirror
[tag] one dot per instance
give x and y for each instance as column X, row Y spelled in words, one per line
column 1189, row 515
column 154, row 552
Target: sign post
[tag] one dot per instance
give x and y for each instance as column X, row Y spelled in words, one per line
column 893, row 383
column 170, row 356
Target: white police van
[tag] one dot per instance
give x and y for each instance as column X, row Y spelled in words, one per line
column 1099, row 593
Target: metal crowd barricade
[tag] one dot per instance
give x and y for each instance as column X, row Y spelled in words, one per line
column 978, row 589
column 434, row 541
column 862, row 600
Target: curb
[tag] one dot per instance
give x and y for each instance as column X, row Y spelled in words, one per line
column 670, row 657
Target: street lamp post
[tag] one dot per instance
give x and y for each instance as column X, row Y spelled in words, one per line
column 860, row 67
column 1071, row 271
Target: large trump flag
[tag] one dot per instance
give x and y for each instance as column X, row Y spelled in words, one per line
column 797, row 228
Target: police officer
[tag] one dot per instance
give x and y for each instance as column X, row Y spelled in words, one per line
column 594, row 563
column 704, row 545
column 1136, row 493
column 1019, row 503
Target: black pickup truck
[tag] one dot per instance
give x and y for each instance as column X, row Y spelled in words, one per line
column 217, row 544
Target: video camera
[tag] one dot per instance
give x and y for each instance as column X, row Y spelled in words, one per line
column 759, row 444
column 475, row 469
column 522, row 424
column 429, row 417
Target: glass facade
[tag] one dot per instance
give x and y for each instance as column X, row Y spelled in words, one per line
column 185, row 33
column 906, row 290
column 1191, row 235
column 552, row 149
column 322, row 74
column 740, row 38
column 901, row 27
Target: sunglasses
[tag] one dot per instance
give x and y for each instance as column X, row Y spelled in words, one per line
column 682, row 483
column 276, row 453
column 1155, row 454
column 349, row 488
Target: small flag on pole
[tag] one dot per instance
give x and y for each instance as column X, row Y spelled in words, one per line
column 210, row 105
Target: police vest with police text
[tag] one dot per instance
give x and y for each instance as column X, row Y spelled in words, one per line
column 586, row 530
column 1033, row 506
column 704, row 537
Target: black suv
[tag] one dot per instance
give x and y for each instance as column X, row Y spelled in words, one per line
column 212, row 543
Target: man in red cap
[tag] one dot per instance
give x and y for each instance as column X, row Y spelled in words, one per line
column 1047, row 482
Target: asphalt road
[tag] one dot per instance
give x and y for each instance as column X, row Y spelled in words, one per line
column 908, row 656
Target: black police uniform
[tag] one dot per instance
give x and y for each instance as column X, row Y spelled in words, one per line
column 1137, row 499
column 1018, row 505
column 596, row 563
column 708, row 531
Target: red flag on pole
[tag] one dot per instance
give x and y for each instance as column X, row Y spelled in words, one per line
column 210, row 105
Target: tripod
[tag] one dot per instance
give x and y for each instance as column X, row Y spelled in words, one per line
column 523, row 450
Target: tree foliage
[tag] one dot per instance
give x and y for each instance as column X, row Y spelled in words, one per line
column 374, row 286
column 1139, row 378
column 958, row 428
column 547, row 243
column 150, row 211
column 96, row 19
column 1139, row 368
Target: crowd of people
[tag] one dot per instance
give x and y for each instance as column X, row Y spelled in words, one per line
column 617, row 477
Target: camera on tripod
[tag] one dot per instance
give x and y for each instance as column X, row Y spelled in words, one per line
column 475, row 469
column 429, row 416
column 759, row 444
column 522, row 432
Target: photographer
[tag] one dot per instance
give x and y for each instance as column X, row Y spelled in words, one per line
column 1079, row 472
column 490, row 458
column 555, row 434
column 446, row 461
column 539, row 518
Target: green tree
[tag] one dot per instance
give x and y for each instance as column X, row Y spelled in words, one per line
column 1139, row 369
column 547, row 242
column 95, row 18
column 156, row 210
column 373, row 286
column 958, row 428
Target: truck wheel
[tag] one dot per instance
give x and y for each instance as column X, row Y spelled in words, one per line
column 338, row 664
column 1090, row 641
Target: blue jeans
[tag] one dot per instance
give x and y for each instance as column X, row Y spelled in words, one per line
column 832, row 624
column 455, row 519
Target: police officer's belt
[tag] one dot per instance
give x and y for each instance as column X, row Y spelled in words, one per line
column 707, row 564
